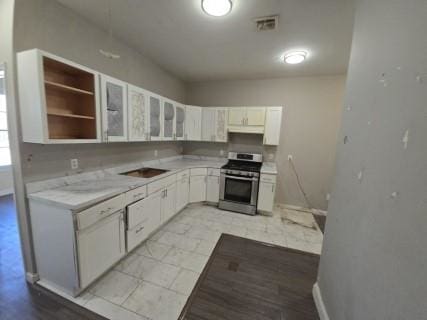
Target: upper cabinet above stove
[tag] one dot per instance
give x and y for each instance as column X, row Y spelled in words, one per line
column 246, row 119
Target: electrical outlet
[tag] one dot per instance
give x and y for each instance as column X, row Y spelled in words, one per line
column 221, row 152
column 290, row 157
column 271, row 156
column 156, row 153
column 328, row 196
column 74, row 164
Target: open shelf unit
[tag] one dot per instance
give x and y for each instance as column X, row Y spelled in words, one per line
column 67, row 108
column 70, row 101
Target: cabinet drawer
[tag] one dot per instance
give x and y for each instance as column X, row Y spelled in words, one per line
column 136, row 194
column 213, row 172
column 139, row 233
column 271, row 178
column 182, row 174
column 138, row 212
column 97, row 212
column 160, row 184
column 199, row 172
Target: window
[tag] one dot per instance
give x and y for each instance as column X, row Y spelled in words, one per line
column 4, row 137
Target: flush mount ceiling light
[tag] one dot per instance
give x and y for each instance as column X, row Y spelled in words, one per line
column 294, row 57
column 216, row 8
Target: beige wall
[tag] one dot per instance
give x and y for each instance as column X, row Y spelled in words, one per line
column 47, row 25
column 312, row 108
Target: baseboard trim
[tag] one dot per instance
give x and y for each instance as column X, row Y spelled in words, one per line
column 318, row 300
column 6, row 192
column 32, row 277
column 297, row 208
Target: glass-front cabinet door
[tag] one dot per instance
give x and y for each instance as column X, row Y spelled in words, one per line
column 114, row 109
column 221, row 129
column 138, row 114
column 168, row 119
column 180, row 122
column 155, row 117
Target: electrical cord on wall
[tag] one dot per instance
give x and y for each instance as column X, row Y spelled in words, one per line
column 299, row 183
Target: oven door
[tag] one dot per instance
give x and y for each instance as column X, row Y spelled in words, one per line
column 239, row 189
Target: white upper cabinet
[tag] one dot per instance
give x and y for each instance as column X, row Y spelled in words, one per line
column 193, row 123
column 208, row 124
column 273, row 123
column 156, row 116
column 236, row 116
column 246, row 119
column 221, row 128
column 255, row 116
column 59, row 99
column 169, row 119
column 114, row 109
column 214, row 124
column 138, row 115
column 180, row 122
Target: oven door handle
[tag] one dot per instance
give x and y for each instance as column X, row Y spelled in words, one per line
column 241, row 178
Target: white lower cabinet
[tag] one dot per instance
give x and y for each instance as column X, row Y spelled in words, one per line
column 197, row 188
column 99, row 247
column 182, row 192
column 143, row 219
column 267, row 190
column 212, row 189
column 168, row 203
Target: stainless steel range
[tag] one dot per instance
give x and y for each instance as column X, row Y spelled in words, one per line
column 239, row 182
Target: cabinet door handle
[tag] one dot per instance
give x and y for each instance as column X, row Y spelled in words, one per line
column 106, row 210
column 140, row 229
column 138, row 195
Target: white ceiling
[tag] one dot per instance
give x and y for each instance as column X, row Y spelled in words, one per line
column 178, row 36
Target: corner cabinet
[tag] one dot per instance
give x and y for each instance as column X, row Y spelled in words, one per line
column 138, row 115
column 214, row 124
column 114, row 109
column 59, row 100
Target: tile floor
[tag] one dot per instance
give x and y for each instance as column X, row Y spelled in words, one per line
column 155, row 280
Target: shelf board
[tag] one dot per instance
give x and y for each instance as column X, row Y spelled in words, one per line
column 69, row 115
column 64, row 87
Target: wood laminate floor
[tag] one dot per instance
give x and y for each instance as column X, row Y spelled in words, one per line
column 18, row 300
column 246, row 279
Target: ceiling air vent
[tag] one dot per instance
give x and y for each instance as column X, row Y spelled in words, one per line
column 267, row 23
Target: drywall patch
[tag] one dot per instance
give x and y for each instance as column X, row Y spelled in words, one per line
column 394, row 195
column 405, row 139
column 360, row 175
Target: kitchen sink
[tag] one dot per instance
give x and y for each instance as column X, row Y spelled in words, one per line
column 144, row 173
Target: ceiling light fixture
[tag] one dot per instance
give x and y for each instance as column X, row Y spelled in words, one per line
column 217, row 8
column 295, row 57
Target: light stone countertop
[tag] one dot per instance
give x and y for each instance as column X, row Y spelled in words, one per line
column 77, row 194
column 269, row 168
